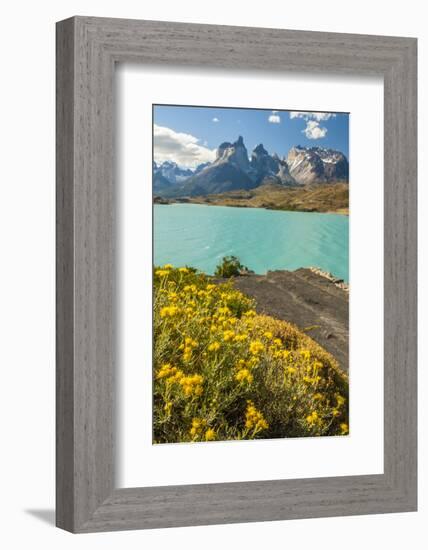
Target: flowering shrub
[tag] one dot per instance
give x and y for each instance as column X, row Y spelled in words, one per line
column 222, row 371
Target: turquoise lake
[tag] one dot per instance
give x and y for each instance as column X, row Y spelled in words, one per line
column 199, row 236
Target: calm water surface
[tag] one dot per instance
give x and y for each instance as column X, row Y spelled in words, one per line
column 199, row 235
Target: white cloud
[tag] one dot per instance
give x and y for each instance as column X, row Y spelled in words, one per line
column 215, row 119
column 313, row 130
column 309, row 115
column 274, row 118
column 179, row 147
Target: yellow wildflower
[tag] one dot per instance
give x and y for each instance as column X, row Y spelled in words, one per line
column 313, row 418
column 176, row 376
column 190, row 289
column 187, row 354
column 210, row 435
column 198, row 390
column 169, row 311
column 250, row 313
column 244, row 375
column 192, row 385
column 161, row 272
column 306, row 354
column 197, row 425
column 183, row 270
column 268, row 335
column 190, row 342
column 256, row 347
column 166, row 370
column 254, row 419
column 344, row 428
column 168, row 266
column 254, row 361
column 228, row 335
column 340, row 400
column 172, row 296
column 214, row 346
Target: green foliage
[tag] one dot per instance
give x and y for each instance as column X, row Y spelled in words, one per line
column 230, row 267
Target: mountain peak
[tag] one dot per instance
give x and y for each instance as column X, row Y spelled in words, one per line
column 234, row 153
column 260, row 150
column 310, row 165
column 233, row 170
column 266, row 168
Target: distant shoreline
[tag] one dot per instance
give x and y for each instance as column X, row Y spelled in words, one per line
column 323, row 199
column 340, row 212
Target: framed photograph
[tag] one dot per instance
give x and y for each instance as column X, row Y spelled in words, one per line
column 236, row 274
column 232, row 357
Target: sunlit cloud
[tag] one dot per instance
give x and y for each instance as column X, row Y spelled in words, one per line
column 309, row 115
column 274, row 118
column 313, row 130
column 184, row 149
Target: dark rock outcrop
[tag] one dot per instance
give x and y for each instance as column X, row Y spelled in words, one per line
column 307, row 299
column 265, row 168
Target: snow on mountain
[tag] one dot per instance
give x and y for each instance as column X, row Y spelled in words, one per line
column 233, row 169
column 317, row 165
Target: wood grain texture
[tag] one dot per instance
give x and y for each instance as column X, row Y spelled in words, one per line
column 87, row 49
column 64, row 276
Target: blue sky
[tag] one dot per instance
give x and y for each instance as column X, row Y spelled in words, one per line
column 190, row 135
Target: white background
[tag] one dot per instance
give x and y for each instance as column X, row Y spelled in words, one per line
column 27, row 274
column 362, row 451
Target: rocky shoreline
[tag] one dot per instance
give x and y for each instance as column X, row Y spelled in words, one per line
column 313, row 300
column 340, row 283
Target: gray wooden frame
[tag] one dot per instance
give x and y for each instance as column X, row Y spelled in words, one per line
column 87, row 50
